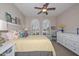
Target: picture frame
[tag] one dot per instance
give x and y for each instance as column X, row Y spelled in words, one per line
column 14, row 20
column 8, row 17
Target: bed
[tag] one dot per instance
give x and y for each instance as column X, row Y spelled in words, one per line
column 35, row 45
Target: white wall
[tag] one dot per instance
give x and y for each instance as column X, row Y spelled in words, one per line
column 70, row 18
column 10, row 8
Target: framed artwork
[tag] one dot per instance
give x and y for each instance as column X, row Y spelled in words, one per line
column 8, row 17
column 14, row 20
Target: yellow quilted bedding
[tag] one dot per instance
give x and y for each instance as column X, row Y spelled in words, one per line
column 34, row 43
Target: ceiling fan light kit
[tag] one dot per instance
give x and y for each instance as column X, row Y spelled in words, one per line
column 44, row 9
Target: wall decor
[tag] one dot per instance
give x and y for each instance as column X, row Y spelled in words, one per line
column 14, row 20
column 62, row 27
column 8, row 17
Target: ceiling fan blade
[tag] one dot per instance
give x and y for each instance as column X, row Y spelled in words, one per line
column 46, row 5
column 51, row 8
column 37, row 8
column 46, row 13
column 39, row 12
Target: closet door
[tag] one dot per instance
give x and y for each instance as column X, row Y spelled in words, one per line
column 35, row 27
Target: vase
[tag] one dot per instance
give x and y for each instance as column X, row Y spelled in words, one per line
column 62, row 30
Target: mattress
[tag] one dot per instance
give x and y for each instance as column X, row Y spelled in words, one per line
column 34, row 43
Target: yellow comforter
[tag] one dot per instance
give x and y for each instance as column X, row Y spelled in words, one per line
column 34, row 43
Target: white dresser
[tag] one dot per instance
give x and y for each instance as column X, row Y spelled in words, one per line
column 7, row 49
column 70, row 41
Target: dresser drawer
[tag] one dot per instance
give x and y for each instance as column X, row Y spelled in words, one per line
column 77, row 51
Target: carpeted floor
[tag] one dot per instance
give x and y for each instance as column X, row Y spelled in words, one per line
column 62, row 51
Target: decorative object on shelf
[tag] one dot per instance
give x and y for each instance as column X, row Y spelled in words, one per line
column 8, row 17
column 14, row 20
column 62, row 27
column 77, row 30
column 11, row 19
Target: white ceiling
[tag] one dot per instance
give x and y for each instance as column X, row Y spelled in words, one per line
column 28, row 8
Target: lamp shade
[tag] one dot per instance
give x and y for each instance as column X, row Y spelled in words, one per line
column 26, row 29
column 3, row 26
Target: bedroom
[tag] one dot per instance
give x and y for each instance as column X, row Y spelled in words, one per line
column 25, row 32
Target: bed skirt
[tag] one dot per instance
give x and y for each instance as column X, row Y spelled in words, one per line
column 34, row 53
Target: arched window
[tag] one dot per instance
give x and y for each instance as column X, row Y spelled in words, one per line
column 35, row 26
column 46, row 27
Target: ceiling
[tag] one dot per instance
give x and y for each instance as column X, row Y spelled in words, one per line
column 28, row 8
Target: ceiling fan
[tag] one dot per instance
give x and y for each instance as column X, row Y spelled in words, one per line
column 44, row 9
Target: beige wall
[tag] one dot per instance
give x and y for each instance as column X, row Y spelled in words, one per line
column 10, row 8
column 70, row 18
column 25, row 21
column 29, row 20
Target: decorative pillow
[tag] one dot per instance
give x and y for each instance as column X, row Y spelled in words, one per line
column 25, row 34
column 21, row 34
column 10, row 35
column 16, row 35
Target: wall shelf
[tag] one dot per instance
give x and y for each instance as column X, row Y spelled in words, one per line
column 14, row 24
column 15, row 27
